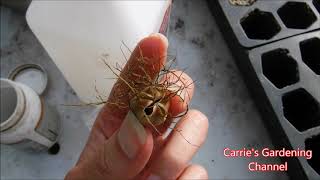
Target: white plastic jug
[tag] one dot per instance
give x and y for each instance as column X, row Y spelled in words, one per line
column 77, row 33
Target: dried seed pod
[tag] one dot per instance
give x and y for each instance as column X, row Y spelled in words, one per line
column 151, row 105
column 242, row 2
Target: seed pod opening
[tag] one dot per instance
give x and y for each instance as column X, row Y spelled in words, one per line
column 151, row 105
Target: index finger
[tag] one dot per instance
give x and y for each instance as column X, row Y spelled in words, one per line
column 146, row 60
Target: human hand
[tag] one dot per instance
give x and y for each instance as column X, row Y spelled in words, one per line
column 119, row 147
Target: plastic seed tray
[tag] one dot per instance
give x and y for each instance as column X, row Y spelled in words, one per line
column 283, row 75
column 265, row 21
column 289, row 73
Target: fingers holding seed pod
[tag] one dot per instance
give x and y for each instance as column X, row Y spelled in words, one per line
column 145, row 63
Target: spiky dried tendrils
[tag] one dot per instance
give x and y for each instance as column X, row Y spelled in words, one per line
column 147, row 94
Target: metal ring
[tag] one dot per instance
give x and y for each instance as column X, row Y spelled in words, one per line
column 13, row 74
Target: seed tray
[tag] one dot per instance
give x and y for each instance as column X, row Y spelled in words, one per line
column 289, row 73
column 283, row 77
column 265, row 21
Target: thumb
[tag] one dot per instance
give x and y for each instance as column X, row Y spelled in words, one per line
column 128, row 150
column 122, row 156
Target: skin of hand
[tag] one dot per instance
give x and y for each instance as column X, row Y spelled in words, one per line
column 119, row 147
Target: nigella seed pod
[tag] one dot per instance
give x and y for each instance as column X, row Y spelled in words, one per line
column 151, row 105
column 148, row 96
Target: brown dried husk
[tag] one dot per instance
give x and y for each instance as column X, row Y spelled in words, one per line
column 242, row 2
column 151, row 103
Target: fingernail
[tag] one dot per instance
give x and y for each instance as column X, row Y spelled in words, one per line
column 198, row 118
column 181, row 92
column 131, row 135
column 161, row 36
column 154, row 177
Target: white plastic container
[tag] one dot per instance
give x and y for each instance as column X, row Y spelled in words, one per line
column 77, row 33
column 26, row 121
